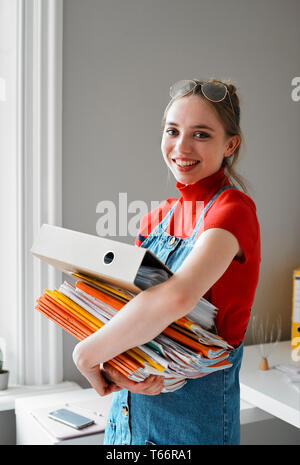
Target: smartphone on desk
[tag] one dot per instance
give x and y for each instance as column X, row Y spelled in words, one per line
column 70, row 418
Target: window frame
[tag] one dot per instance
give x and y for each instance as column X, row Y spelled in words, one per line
column 33, row 343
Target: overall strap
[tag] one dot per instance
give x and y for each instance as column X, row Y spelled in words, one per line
column 162, row 226
column 208, row 205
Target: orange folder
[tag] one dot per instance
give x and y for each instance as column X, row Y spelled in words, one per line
column 71, row 323
column 223, row 363
column 78, row 322
column 59, row 309
column 76, row 309
column 74, row 332
column 130, row 362
column 118, row 365
column 200, row 348
column 112, row 301
column 178, row 336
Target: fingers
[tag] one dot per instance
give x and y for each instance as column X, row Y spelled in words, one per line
column 152, row 386
column 114, row 376
column 103, row 389
column 107, row 373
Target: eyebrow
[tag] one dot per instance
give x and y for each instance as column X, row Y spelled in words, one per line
column 197, row 126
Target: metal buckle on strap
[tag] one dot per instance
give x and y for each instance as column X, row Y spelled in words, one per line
column 172, row 241
column 125, row 410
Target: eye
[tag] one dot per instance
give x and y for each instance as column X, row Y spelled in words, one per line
column 202, row 135
column 168, row 131
column 199, row 134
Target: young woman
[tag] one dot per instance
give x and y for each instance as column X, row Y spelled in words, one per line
column 216, row 256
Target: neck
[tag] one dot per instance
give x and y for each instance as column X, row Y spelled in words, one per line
column 203, row 189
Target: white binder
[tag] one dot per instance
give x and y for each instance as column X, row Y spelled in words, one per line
column 97, row 257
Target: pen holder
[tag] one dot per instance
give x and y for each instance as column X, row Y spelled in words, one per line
column 264, row 365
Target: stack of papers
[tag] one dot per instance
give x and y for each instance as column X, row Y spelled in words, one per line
column 185, row 349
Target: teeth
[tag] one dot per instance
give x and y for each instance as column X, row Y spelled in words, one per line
column 186, row 163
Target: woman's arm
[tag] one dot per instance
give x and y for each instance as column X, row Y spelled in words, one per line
column 151, row 311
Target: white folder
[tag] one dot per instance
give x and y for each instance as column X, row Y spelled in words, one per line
column 97, row 257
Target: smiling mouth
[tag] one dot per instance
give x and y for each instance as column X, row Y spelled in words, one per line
column 187, row 163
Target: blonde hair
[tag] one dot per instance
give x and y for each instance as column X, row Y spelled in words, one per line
column 231, row 124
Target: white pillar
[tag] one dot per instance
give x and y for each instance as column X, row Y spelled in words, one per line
column 40, row 182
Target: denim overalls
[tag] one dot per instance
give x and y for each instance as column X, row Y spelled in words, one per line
column 205, row 410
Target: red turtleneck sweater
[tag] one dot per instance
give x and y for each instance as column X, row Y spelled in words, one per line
column 233, row 294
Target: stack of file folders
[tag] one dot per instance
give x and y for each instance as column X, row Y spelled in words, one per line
column 185, row 349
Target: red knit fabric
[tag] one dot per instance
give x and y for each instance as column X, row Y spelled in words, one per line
column 233, row 294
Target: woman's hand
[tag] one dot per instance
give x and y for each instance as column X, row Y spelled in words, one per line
column 96, row 379
column 152, row 386
column 108, row 380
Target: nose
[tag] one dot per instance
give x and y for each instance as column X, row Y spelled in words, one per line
column 183, row 144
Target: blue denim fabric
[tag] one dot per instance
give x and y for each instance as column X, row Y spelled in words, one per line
column 205, row 410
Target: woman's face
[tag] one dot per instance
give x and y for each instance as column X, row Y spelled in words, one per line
column 194, row 134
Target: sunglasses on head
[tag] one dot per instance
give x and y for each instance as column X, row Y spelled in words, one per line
column 213, row 91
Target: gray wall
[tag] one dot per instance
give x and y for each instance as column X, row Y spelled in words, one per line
column 120, row 58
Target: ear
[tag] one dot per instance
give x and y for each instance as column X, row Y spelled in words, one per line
column 232, row 144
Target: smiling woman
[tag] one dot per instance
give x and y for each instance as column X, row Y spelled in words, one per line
column 226, row 116
column 217, row 257
column 192, row 151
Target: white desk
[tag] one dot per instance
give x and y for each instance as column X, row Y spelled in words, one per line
column 9, row 396
column 31, row 432
column 270, row 390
